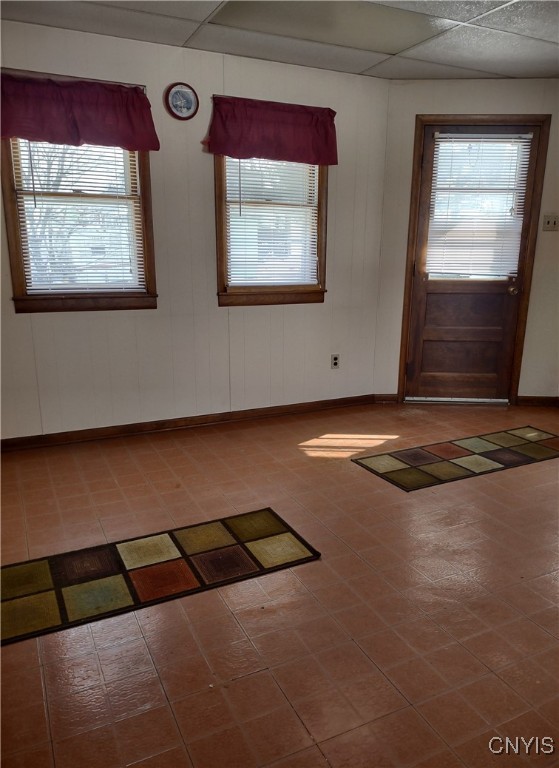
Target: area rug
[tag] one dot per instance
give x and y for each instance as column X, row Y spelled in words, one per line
column 65, row 590
column 414, row 468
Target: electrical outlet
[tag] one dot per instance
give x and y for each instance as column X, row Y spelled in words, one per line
column 334, row 361
column 550, row 222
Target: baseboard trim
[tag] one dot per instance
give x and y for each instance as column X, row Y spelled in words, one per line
column 167, row 425
column 549, row 402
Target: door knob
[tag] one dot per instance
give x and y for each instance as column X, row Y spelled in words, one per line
column 513, row 290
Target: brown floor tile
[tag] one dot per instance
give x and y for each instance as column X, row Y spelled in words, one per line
column 372, row 696
column 492, row 649
column 202, row 714
column 301, row 678
column 39, row 757
column 493, row 699
column 386, row 648
column 146, row 734
column 417, row 680
column 327, row 714
column 185, row 674
column 416, row 595
column 531, row 681
column 455, row 664
column 253, row 695
column 173, row 758
column 307, row 758
column 23, row 728
column 452, row 717
column 94, row 749
column 132, row 695
column 276, row 735
column 209, row 752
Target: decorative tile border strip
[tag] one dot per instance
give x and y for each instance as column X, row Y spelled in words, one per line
column 52, row 593
column 413, row 468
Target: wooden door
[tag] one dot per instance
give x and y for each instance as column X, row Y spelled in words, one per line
column 475, row 209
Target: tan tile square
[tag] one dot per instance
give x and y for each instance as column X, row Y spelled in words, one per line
column 152, row 549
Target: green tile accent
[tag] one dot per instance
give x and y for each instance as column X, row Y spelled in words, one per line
column 446, row 470
column 203, row 537
column 89, row 584
column 382, row 463
column 477, row 464
column 25, row 579
column 152, row 549
column 530, row 433
column 476, row 444
column 536, row 451
column 411, row 478
column 466, row 457
column 278, row 550
column 29, row 614
column 94, row 597
column 505, row 439
column 255, row 525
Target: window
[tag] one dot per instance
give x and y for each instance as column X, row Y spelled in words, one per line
column 80, row 225
column 477, row 205
column 271, row 172
column 76, row 189
column 271, row 225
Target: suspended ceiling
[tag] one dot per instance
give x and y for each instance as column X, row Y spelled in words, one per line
column 414, row 39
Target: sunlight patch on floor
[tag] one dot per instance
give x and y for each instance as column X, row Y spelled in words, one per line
column 342, row 446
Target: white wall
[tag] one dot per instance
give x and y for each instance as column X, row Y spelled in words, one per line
column 540, row 364
column 67, row 371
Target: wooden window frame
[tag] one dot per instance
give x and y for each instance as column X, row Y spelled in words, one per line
column 75, row 301
column 230, row 296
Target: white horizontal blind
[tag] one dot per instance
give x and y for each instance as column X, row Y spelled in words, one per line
column 477, row 205
column 271, row 221
column 80, row 218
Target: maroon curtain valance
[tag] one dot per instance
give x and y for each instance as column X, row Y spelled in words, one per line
column 77, row 112
column 272, row 130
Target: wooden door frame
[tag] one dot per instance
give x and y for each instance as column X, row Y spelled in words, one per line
column 543, row 122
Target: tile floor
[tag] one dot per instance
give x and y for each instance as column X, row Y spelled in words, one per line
column 429, row 626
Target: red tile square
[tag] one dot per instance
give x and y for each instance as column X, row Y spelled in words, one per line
column 447, row 450
column 156, row 581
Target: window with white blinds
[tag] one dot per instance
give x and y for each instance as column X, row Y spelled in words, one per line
column 477, row 205
column 80, row 218
column 271, row 223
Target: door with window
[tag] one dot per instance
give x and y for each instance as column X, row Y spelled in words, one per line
column 475, row 208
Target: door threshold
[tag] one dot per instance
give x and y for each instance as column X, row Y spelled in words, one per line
column 460, row 400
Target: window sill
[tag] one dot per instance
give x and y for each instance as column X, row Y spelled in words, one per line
column 240, row 298
column 79, row 303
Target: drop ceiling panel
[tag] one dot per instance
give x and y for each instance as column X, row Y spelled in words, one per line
column 193, row 10
column 492, row 51
column 366, row 26
column 86, row 17
column 533, row 19
column 212, row 37
column 459, row 10
column 434, row 38
column 398, row 68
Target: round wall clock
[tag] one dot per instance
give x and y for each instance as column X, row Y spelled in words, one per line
column 181, row 101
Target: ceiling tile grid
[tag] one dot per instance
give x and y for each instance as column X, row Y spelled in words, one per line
column 393, row 39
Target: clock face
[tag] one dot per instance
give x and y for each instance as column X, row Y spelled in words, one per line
column 181, row 101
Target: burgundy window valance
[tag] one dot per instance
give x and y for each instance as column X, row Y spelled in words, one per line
column 77, row 112
column 272, row 130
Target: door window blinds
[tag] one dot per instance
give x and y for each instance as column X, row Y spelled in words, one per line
column 477, row 205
